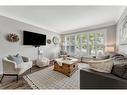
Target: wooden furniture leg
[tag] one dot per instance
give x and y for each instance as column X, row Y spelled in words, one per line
column 1, row 78
column 9, row 75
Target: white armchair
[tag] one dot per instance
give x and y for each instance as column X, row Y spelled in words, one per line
column 11, row 68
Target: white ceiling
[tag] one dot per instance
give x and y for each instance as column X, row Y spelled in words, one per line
column 62, row 19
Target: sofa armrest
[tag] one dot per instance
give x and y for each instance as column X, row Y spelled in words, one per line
column 9, row 66
column 90, row 79
column 24, row 67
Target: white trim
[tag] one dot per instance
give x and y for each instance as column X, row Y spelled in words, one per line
column 89, row 28
column 29, row 22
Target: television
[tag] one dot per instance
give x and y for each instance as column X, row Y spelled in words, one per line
column 35, row 39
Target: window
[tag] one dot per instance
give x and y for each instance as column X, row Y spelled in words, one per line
column 91, row 44
column 70, row 44
column 100, row 42
column 78, row 44
column 86, row 43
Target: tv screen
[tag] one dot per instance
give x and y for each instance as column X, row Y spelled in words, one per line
column 30, row 38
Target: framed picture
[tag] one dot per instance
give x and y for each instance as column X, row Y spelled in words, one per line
column 12, row 37
column 48, row 41
column 55, row 40
column 123, row 32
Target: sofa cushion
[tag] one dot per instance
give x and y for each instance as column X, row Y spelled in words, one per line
column 103, row 57
column 102, row 66
column 118, row 62
column 17, row 58
column 119, row 70
column 125, row 75
column 116, row 55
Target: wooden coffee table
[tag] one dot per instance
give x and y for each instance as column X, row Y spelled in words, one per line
column 67, row 67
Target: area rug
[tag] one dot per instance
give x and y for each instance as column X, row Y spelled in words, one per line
column 49, row 79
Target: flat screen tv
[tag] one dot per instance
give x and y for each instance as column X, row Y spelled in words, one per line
column 35, row 39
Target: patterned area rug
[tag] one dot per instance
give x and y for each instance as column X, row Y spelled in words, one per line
column 49, row 79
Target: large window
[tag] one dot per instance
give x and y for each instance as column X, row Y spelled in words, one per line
column 86, row 43
column 70, row 44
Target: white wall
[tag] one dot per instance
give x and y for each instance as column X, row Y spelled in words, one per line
column 111, row 35
column 121, row 48
column 8, row 25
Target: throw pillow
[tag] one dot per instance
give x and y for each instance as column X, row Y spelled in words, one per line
column 117, row 55
column 125, row 73
column 18, row 59
column 102, row 57
column 102, row 66
column 119, row 69
column 117, row 62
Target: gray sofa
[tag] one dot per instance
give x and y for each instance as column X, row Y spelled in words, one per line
column 90, row 79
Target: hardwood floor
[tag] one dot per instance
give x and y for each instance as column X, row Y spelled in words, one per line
column 10, row 82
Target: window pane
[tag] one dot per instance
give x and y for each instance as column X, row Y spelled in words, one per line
column 72, row 49
column 100, row 49
column 68, row 39
column 92, row 38
column 100, row 34
column 64, row 47
column 100, row 38
column 92, row 50
column 78, row 45
column 84, row 49
column 67, row 48
column 78, row 41
column 72, row 44
column 84, row 46
column 72, row 39
column 84, row 38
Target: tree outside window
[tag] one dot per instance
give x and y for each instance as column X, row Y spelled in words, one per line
column 84, row 38
column 92, row 43
column 78, row 41
column 84, row 44
column 100, row 41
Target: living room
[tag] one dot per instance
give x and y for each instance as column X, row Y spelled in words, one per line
column 76, row 34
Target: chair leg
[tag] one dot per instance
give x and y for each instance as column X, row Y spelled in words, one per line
column 1, row 78
column 17, row 77
column 30, row 70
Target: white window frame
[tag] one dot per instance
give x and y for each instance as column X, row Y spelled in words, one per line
column 69, row 43
column 87, row 33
